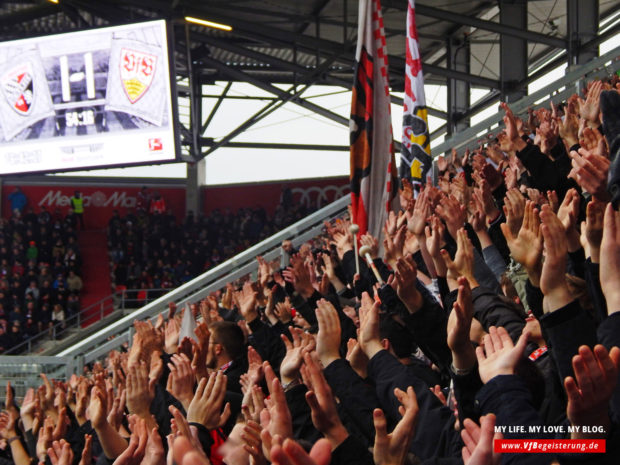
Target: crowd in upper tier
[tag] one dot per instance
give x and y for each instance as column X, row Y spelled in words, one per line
column 491, row 312
column 150, row 249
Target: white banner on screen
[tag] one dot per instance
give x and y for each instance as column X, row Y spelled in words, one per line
column 86, row 99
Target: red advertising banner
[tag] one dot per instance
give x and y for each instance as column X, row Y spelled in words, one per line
column 268, row 195
column 99, row 201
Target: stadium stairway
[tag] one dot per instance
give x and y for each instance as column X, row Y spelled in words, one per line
column 95, row 275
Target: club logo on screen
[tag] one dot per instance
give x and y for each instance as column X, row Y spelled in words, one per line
column 155, row 144
column 137, row 71
column 18, row 88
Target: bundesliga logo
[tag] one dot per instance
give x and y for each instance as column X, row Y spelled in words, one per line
column 17, row 86
column 137, row 71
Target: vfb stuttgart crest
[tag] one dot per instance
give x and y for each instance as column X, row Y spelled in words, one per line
column 137, row 71
column 17, row 86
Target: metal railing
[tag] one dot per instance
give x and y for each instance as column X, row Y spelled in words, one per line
column 119, row 332
column 123, row 299
column 558, row 91
column 24, row 371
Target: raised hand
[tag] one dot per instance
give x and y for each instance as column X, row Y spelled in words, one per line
column 453, row 213
column 283, row 311
column 596, row 374
column 463, row 263
column 568, row 126
column 610, row 259
column 459, row 325
column 416, row 218
column 97, row 408
column 206, row 405
column 590, row 107
column 46, row 397
column 299, row 277
column 291, row 453
column 511, row 142
column 181, row 379
column 44, row 440
column 179, row 426
column 328, row 337
column 404, row 283
column 275, row 419
column 372, row 242
column 357, row 358
column 485, row 197
column 391, row 449
column 322, row 404
column 405, row 192
column 134, row 453
column 151, row 338
column 264, row 271
column 526, row 248
column 87, row 455
column 368, row 337
column 200, row 350
column 343, row 243
column 592, row 229
column 171, row 336
column 253, row 403
column 477, row 218
column 499, row 356
column 7, row 424
column 590, row 170
column 478, row 441
column 302, row 343
column 393, row 245
column 60, row 453
column 140, row 391
column 29, row 406
column 552, row 279
column 154, row 451
column 434, row 239
column 514, row 208
column 117, row 412
column 247, row 302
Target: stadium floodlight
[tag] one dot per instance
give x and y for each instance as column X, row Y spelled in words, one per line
column 204, row 22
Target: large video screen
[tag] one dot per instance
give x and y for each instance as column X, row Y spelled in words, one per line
column 86, row 99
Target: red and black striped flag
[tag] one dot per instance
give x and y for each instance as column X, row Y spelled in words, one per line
column 374, row 182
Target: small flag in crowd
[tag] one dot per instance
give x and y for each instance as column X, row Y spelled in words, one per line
column 416, row 147
column 374, row 182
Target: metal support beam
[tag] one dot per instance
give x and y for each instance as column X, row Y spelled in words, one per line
column 458, row 91
column 582, row 28
column 274, row 105
column 513, row 50
column 208, row 142
column 241, row 76
column 29, row 14
column 310, row 44
column 216, row 107
column 503, row 29
column 195, row 104
column 231, row 47
column 472, row 79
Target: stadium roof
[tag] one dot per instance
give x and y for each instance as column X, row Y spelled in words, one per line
column 307, row 42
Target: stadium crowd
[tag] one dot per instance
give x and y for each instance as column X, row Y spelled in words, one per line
column 493, row 313
column 150, row 249
column 39, row 271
